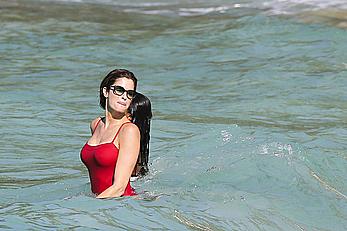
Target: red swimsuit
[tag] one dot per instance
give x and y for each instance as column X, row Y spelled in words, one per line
column 101, row 162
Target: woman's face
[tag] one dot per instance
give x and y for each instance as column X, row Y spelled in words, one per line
column 116, row 101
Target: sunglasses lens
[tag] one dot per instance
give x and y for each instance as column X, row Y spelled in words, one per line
column 119, row 90
column 131, row 94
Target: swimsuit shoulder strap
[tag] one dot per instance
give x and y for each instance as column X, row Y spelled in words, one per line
column 97, row 123
column 119, row 131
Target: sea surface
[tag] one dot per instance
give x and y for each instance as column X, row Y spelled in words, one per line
column 249, row 102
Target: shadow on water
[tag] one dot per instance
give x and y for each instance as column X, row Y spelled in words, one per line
column 286, row 122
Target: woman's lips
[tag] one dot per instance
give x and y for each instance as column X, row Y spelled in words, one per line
column 122, row 103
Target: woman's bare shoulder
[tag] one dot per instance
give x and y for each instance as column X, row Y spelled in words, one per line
column 130, row 129
column 93, row 123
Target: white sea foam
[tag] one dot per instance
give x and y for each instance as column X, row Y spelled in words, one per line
column 116, row 3
column 203, row 7
column 297, row 6
column 201, row 11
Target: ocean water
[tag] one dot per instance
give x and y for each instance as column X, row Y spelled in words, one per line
column 249, row 101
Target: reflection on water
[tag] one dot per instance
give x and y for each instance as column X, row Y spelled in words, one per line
column 249, row 128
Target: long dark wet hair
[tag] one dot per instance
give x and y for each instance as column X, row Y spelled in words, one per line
column 140, row 111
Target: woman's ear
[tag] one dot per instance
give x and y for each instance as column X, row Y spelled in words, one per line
column 105, row 92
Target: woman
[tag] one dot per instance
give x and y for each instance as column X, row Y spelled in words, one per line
column 140, row 113
column 112, row 152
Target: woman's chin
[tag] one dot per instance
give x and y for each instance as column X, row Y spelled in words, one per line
column 118, row 110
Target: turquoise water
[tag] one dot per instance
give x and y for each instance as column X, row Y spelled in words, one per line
column 249, row 128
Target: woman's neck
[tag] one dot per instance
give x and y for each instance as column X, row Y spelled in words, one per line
column 114, row 119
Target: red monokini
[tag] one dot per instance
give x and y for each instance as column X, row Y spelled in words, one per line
column 101, row 162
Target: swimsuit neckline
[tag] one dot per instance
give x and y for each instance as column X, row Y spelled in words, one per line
column 111, row 142
column 97, row 145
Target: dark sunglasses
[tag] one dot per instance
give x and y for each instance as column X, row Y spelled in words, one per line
column 118, row 90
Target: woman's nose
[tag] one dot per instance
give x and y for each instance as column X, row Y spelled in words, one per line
column 124, row 96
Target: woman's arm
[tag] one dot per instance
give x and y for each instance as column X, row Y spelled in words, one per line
column 129, row 147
